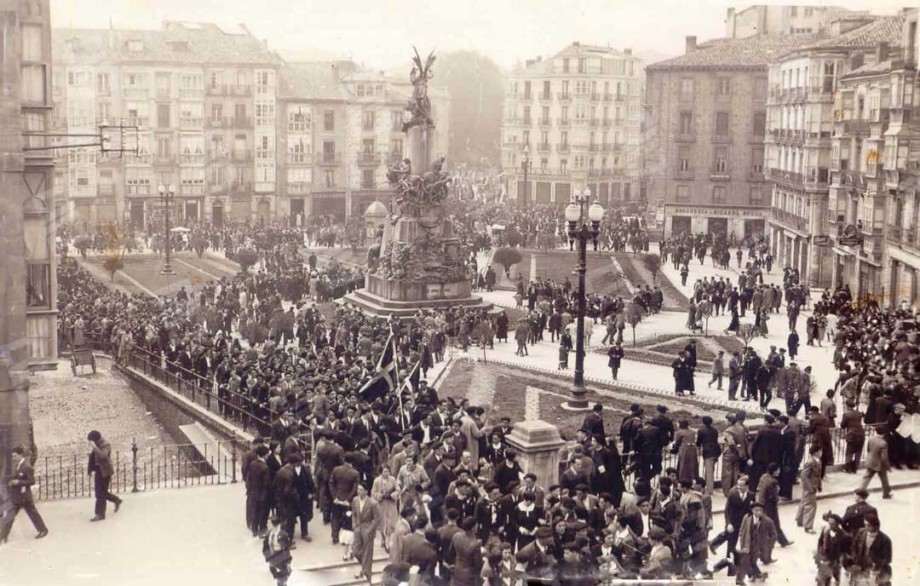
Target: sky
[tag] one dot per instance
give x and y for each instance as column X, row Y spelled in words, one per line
column 380, row 33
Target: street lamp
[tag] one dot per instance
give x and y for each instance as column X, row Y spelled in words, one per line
column 167, row 194
column 523, row 200
column 588, row 230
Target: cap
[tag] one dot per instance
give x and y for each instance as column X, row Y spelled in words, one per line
column 543, row 532
column 757, row 504
column 861, row 492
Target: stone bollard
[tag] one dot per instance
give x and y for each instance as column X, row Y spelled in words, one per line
column 537, row 444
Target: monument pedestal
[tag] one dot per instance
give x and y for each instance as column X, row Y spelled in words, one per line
column 537, row 444
column 385, row 297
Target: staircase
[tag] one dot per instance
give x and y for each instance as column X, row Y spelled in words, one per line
column 342, row 573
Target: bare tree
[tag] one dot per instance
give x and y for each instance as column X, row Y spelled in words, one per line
column 634, row 314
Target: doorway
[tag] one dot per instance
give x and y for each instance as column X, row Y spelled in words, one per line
column 680, row 225
column 718, row 226
column 137, row 215
column 191, row 212
column 263, row 211
column 297, row 209
column 217, row 215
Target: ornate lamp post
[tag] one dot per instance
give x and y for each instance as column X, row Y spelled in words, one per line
column 523, row 198
column 167, row 194
column 588, row 230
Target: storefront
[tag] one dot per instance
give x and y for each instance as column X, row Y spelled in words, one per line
column 740, row 221
column 903, row 270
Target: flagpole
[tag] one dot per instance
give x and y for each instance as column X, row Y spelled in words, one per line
column 396, row 370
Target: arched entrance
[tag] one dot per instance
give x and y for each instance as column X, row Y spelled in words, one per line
column 263, row 211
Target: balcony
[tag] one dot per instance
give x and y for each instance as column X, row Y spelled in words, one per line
column 527, row 121
column 608, row 97
column 218, row 188
column 596, row 97
column 786, row 176
column 790, row 219
column 139, row 121
column 852, row 128
column 299, row 158
column 190, row 93
column 816, row 176
column 241, row 187
column 594, row 148
column 544, row 147
column 192, row 159
column 369, row 159
column 241, row 122
column 720, row 174
column 619, row 97
column 106, row 190
column 685, row 137
column 298, row 187
column 563, row 147
column 192, row 189
column 217, row 122
column 136, row 92
column 191, row 123
column 595, row 122
column 564, row 122
column 546, row 97
column 756, row 174
column 165, row 160
column 229, row 90
column 564, row 97
column 606, row 122
column 684, row 174
column 328, row 159
column 546, row 122
column 241, row 155
column 265, row 154
column 138, row 160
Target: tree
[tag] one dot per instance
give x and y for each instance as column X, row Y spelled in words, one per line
column 747, row 332
column 246, row 258
column 513, row 238
column 112, row 265
column 634, row 314
column 652, row 264
column 507, row 257
column 476, row 87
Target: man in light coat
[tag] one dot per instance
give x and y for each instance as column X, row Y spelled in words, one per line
column 811, row 486
column 877, row 462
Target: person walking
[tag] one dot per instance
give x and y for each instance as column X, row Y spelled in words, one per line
column 615, row 356
column 20, row 490
column 100, row 466
column 811, row 486
column 877, row 462
column 366, row 523
column 718, row 370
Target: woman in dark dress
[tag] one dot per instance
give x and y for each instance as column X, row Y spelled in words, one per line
column 734, row 323
column 527, row 516
column 501, row 327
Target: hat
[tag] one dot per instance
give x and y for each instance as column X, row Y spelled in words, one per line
column 862, row 493
column 757, row 504
column 543, row 532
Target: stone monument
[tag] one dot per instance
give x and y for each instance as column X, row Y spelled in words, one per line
column 537, row 444
column 420, row 261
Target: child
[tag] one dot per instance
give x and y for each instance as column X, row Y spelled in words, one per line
column 276, row 548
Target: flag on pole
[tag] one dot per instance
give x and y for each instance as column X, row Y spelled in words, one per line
column 410, row 384
column 382, row 382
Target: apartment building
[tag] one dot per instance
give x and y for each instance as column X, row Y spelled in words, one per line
column 341, row 129
column 28, row 286
column 802, row 118
column 573, row 121
column 872, row 214
column 203, row 101
column 705, row 124
column 775, row 20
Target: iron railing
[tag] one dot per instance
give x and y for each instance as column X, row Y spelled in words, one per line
column 168, row 466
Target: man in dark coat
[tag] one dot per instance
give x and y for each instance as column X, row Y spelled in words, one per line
column 20, row 484
column 871, row 553
column 766, row 448
column 665, row 428
column 854, row 516
column 466, row 549
column 329, row 455
column 257, row 485
column 594, row 423
column 100, row 466
column 445, row 537
column 608, row 474
column 343, row 486
column 306, row 489
column 647, row 451
column 287, row 500
column 683, row 375
column 614, row 358
column 737, row 506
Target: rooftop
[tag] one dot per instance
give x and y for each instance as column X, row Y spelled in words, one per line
column 176, row 42
column 886, row 29
column 314, row 80
column 747, row 53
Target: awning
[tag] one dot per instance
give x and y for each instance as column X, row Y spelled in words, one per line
column 842, row 252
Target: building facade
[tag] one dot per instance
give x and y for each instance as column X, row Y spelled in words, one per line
column 778, row 20
column 202, row 101
column 705, row 120
column 28, row 287
column 574, row 122
column 804, row 125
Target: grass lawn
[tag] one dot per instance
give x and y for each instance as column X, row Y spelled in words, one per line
column 638, row 275
column 511, row 392
column 706, row 349
column 146, row 271
column 601, row 277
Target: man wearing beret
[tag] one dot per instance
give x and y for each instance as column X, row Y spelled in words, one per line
column 755, row 540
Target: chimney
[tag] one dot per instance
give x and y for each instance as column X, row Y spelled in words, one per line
column 576, row 44
column 539, row 58
column 691, row 44
column 627, row 51
column 856, row 61
column 881, row 52
column 529, row 62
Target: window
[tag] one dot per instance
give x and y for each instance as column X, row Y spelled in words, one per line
column 721, row 123
column 683, row 193
column 164, row 148
column 547, row 90
column 544, row 164
column 686, row 122
column 564, row 138
column 565, row 65
column 396, row 120
column 265, row 113
column 793, row 11
column 686, row 89
column 809, row 12
column 217, row 111
column 367, row 179
column 760, row 123
column 718, row 194
column 757, row 161
column 329, row 120
column 102, row 84
column 724, row 86
column 239, row 112
column 582, row 65
column 33, row 84
column 329, row 178
column 756, row 195
column 38, row 285
column 563, row 166
column 78, row 79
column 162, row 115
column 299, row 119
column 368, row 120
column 32, row 43
column 103, row 112
column 683, row 159
column 367, row 147
column 163, row 84
column 527, row 90
column 720, row 165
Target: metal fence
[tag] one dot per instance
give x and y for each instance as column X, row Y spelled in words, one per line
column 169, row 466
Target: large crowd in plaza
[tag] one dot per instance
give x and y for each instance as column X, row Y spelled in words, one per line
column 440, row 488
